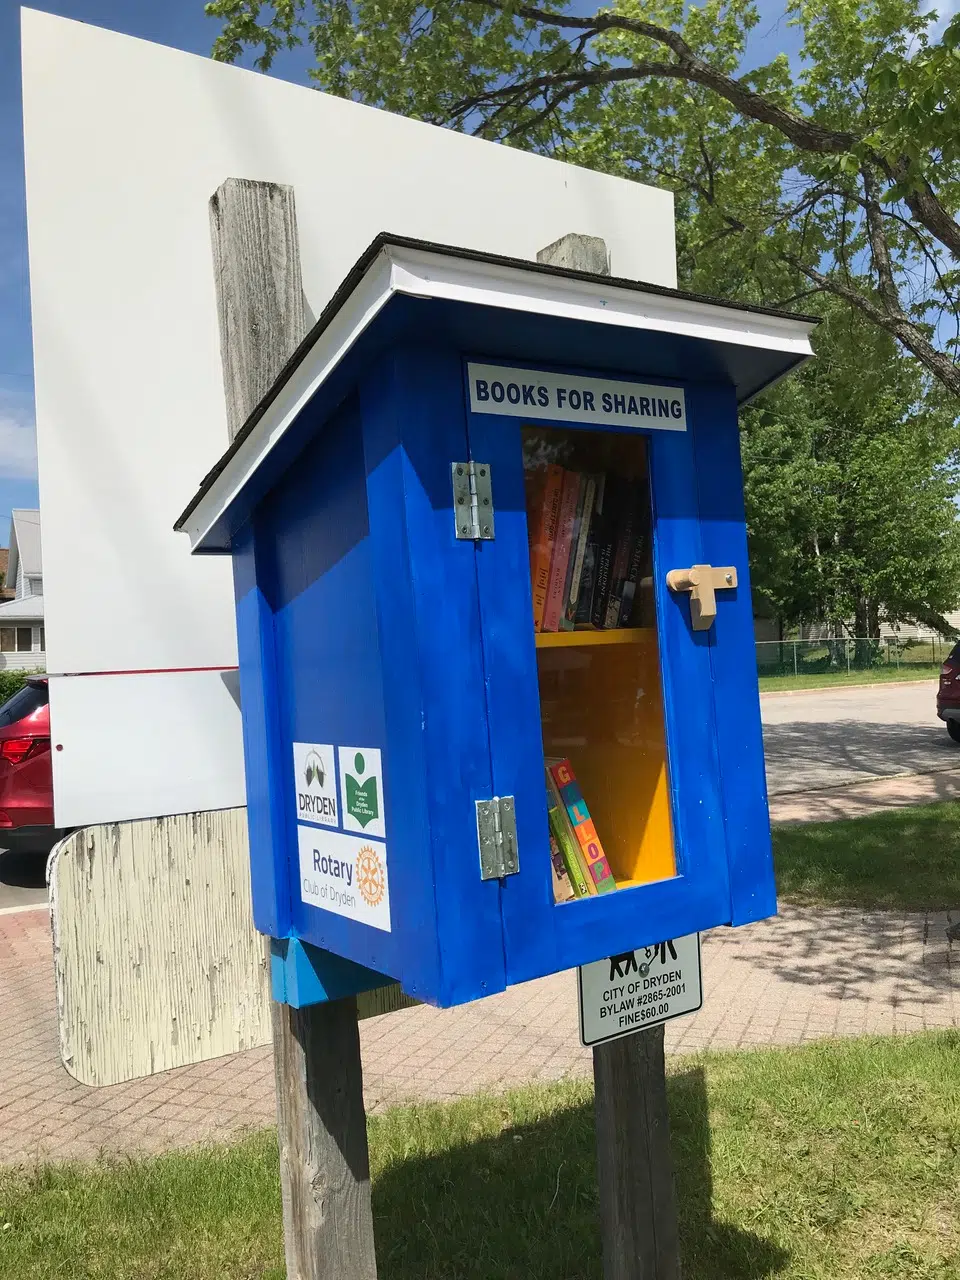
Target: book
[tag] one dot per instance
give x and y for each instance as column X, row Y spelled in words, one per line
column 571, row 797
column 585, row 596
column 628, row 523
column 635, row 561
column 588, row 488
column 561, row 551
column 606, row 550
column 547, row 486
column 562, row 888
column 582, row 883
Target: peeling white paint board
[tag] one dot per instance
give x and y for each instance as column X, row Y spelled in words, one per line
column 125, row 142
column 156, row 959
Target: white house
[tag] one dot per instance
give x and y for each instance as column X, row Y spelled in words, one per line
column 22, row 642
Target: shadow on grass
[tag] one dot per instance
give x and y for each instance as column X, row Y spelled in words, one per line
column 522, row 1205
column 901, row 860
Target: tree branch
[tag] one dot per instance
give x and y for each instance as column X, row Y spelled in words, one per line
column 802, row 131
column 901, row 327
column 919, row 195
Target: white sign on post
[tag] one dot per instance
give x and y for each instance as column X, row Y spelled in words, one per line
column 639, row 988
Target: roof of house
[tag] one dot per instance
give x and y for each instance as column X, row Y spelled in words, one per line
column 25, row 541
column 29, row 609
column 484, row 301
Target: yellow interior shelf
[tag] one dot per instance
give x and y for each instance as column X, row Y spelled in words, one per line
column 579, row 639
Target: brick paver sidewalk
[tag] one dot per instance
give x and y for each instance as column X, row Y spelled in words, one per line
column 804, row 975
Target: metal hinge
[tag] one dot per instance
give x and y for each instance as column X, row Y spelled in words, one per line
column 472, row 500
column 497, row 836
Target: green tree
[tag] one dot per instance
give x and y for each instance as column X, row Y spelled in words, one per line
column 841, row 178
column 851, row 475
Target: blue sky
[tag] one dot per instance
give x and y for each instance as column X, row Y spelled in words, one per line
column 183, row 25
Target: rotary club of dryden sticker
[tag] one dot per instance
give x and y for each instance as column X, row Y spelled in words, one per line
column 345, row 874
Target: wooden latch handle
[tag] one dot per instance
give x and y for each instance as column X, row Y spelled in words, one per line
column 702, row 581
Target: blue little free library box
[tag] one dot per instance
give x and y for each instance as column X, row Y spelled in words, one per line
column 497, row 663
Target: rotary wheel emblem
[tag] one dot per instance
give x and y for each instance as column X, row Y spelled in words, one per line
column 371, row 880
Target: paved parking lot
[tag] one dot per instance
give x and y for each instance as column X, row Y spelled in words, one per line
column 833, row 737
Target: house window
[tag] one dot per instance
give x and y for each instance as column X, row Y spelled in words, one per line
column 8, row 639
column 24, row 639
column 43, row 641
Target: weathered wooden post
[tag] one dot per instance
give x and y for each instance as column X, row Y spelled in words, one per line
column 638, row 1209
column 324, row 1163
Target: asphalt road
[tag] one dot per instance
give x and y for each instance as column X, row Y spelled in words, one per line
column 812, row 740
column 836, row 736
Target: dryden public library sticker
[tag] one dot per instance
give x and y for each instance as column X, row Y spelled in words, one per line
column 346, row 875
column 361, row 788
column 638, row 989
column 315, row 779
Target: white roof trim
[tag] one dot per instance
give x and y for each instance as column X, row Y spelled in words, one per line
column 422, row 273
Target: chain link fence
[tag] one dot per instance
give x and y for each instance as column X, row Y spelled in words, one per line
column 799, row 658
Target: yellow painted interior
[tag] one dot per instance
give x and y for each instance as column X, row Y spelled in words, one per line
column 601, row 706
column 580, row 639
column 600, row 695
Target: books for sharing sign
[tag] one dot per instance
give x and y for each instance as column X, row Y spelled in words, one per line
column 587, row 548
column 578, row 863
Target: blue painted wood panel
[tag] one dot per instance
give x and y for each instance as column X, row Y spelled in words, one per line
column 319, row 579
column 423, row 397
column 733, row 658
column 259, row 697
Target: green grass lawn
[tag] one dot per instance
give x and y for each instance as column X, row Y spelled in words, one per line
column 827, row 679
column 836, row 1161
column 905, row 859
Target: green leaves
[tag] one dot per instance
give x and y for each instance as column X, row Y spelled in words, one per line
column 851, row 476
column 770, row 165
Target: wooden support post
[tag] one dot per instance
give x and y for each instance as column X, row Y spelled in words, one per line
column 324, row 1164
column 638, row 1208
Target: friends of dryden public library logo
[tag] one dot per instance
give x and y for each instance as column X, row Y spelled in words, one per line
column 361, row 787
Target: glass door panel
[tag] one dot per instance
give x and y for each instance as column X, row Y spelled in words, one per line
column 590, row 544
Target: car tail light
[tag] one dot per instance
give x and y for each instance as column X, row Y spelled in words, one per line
column 948, row 669
column 14, row 750
column 5, row 819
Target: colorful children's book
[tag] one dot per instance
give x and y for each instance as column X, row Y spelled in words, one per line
column 561, row 551
column 562, row 888
column 565, row 780
column 582, row 882
column 543, row 532
column 588, row 489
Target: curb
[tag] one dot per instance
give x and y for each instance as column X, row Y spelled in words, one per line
column 826, row 688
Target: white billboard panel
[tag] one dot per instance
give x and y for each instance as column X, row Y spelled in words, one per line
column 125, row 142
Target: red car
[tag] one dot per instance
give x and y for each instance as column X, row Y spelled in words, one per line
column 948, row 695
column 26, row 775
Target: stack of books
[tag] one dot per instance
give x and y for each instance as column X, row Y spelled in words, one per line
column 587, row 545
column 578, row 863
